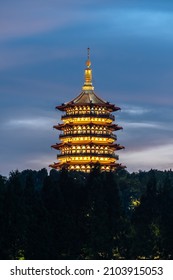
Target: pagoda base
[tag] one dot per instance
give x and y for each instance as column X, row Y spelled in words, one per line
column 87, row 168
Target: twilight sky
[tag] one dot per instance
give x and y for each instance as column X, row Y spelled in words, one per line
column 42, row 59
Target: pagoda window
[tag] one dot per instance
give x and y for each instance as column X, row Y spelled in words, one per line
column 88, row 148
column 92, row 110
column 79, row 129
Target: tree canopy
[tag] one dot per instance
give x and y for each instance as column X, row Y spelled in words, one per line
column 74, row 215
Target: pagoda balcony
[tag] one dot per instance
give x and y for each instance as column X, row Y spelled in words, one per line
column 91, row 114
column 70, row 153
column 81, row 134
column 87, row 132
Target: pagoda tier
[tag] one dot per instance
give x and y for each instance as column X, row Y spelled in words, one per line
column 87, row 136
column 89, row 145
column 87, row 167
column 89, row 127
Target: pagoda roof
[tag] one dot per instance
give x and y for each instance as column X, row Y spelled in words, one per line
column 113, row 164
column 62, row 125
column 57, row 146
column 87, row 97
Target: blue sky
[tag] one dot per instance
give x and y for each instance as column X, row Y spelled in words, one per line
column 42, row 59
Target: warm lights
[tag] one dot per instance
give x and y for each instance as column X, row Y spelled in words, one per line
column 87, row 131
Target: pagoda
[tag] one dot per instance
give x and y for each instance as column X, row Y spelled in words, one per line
column 86, row 132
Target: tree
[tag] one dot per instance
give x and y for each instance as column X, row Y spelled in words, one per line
column 13, row 222
column 166, row 218
column 145, row 221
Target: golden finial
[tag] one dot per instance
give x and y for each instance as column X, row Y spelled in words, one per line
column 88, row 73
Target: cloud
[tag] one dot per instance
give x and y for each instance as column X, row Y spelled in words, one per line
column 135, row 110
column 141, row 125
column 159, row 157
column 25, row 18
column 32, row 123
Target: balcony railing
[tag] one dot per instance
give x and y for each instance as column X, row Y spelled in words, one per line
column 91, row 114
column 86, row 154
column 82, row 134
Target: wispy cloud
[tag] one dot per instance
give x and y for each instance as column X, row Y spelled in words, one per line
column 141, row 125
column 26, row 18
column 42, row 123
column 135, row 110
column 159, row 157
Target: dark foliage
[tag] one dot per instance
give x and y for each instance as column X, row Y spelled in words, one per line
column 73, row 215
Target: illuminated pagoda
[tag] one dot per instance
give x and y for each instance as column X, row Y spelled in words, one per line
column 86, row 136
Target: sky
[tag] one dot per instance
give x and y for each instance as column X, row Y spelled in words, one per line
column 43, row 49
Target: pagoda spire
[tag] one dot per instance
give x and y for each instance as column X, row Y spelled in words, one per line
column 88, row 74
